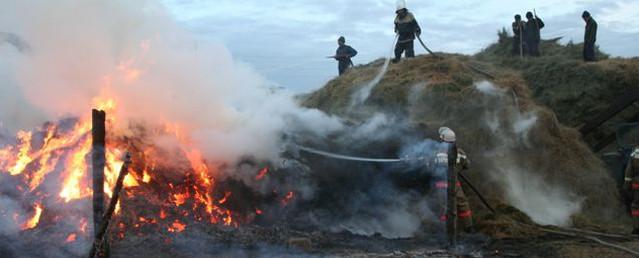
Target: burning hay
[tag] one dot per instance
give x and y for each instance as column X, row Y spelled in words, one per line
column 218, row 165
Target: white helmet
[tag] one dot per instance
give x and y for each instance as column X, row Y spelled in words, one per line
column 401, row 4
column 447, row 135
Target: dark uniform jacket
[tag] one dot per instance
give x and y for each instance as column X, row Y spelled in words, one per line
column 518, row 28
column 345, row 53
column 591, row 31
column 407, row 27
column 532, row 30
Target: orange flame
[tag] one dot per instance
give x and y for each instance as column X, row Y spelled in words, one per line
column 261, row 174
column 177, row 226
column 23, row 154
column 77, row 168
column 226, row 197
column 33, row 221
column 71, row 238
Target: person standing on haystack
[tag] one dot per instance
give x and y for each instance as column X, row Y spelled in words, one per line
column 590, row 37
column 343, row 55
column 407, row 29
column 533, row 34
column 518, row 38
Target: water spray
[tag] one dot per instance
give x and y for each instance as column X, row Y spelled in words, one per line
column 362, row 94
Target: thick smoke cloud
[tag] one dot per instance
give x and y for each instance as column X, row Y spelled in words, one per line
column 84, row 53
column 132, row 52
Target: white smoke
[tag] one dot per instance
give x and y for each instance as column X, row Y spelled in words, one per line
column 134, row 52
column 544, row 202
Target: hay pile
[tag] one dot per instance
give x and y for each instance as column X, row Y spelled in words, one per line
column 499, row 124
column 574, row 90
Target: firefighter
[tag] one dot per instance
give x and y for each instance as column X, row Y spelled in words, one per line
column 464, row 213
column 590, row 37
column 533, row 34
column 343, row 55
column 631, row 186
column 407, row 28
column 518, row 38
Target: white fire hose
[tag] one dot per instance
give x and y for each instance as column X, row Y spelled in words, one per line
column 351, row 158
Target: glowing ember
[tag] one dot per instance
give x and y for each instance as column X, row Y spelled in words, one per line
column 33, row 222
column 261, row 174
column 226, row 197
column 180, row 199
column 83, row 226
column 177, row 226
column 289, row 196
column 71, row 238
column 146, row 178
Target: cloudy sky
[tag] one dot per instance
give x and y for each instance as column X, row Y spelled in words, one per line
column 288, row 41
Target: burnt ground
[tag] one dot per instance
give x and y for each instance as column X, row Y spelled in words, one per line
column 255, row 241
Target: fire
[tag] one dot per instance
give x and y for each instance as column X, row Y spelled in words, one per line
column 83, row 226
column 33, row 221
column 72, row 188
column 226, row 197
column 180, row 199
column 59, row 154
column 23, row 158
column 261, row 174
column 146, row 178
column 289, row 196
column 71, row 238
column 177, row 226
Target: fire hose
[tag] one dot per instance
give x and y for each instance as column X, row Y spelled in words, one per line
column 427, row 49
column 469, row 66
column 344, row 157
column 374, row 160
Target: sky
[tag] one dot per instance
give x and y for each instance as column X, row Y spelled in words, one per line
column 287, row 42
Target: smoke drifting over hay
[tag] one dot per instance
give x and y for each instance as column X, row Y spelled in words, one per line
column 156, row 72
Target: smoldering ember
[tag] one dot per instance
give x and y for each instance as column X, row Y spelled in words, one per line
column 181, row 129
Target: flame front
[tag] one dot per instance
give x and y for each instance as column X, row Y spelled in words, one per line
column 51, row 165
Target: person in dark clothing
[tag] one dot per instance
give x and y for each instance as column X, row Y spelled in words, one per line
column 407, row 28
column 533, row 34
column 518, row 32
column 343, row 55
column 590, row 37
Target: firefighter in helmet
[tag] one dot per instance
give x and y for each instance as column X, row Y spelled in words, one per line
column 631, row 186
column 464, row 213
column 407, row 29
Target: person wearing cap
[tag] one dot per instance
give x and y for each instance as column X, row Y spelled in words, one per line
column 465, row 215
column 631, row 187
column 518, row 32
column 533, row 34
column 343, row 55
column 590, row 37
column 407, row 28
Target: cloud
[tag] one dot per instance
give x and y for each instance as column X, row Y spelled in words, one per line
column 622, row 17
